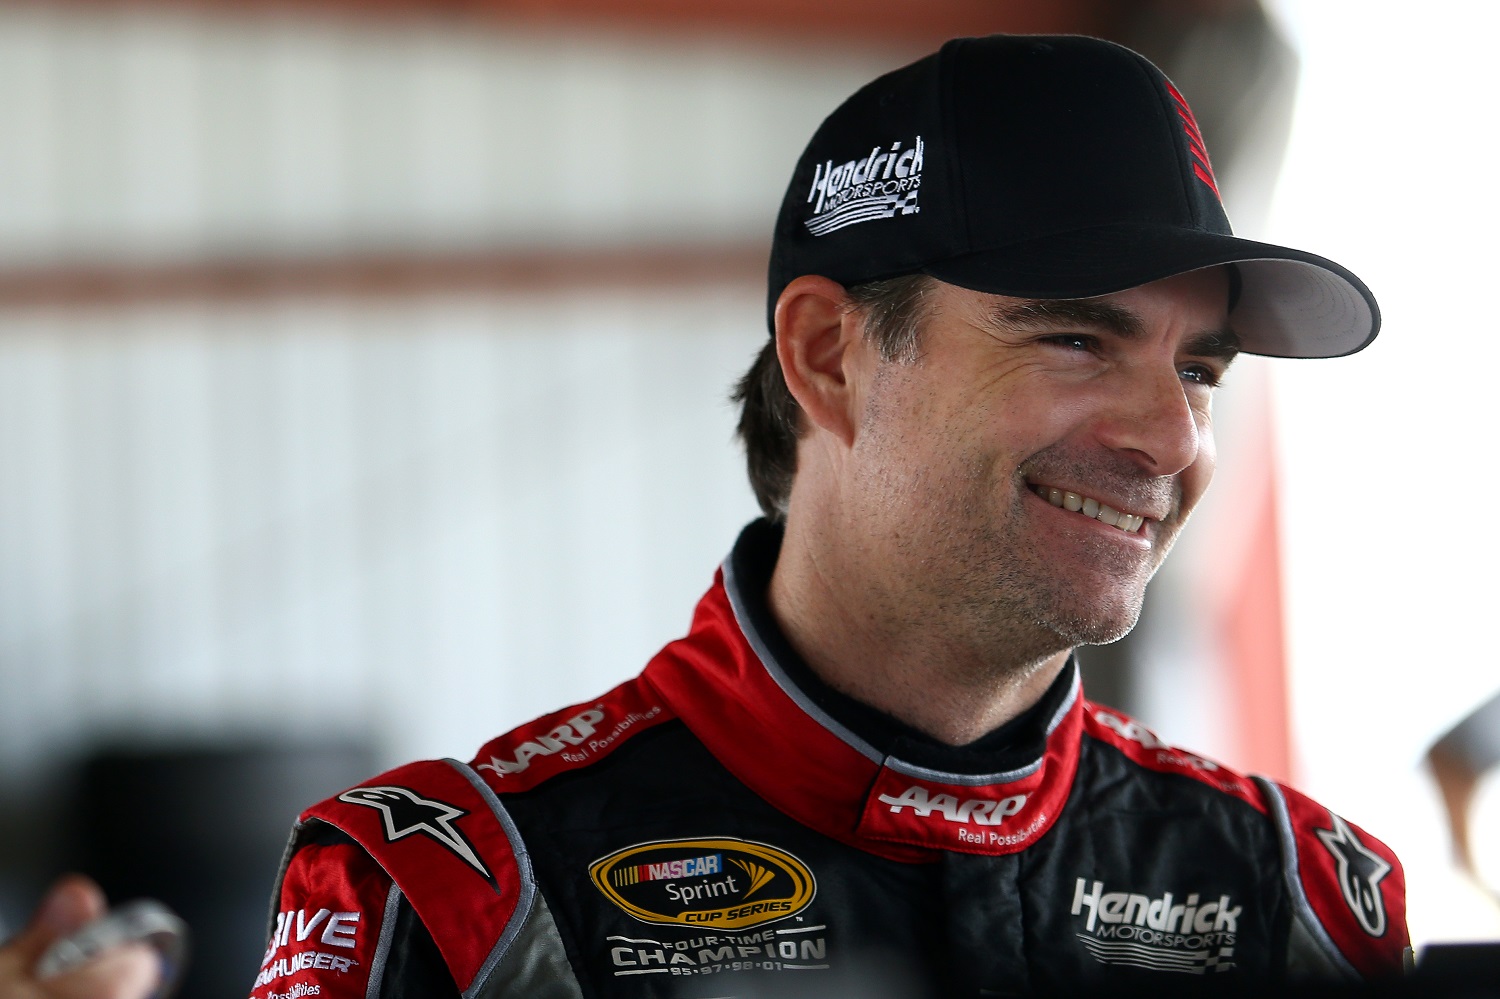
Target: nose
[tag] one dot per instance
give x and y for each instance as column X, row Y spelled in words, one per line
column 1151, row 419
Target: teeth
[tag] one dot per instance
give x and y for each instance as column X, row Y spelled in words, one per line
column 1127, row 522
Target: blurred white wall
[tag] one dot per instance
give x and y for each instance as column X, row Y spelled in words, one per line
column 156, row 134
column 416, row 518
column 420, row 522
column 1388, row 456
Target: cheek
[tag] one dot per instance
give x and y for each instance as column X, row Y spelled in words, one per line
column 907, row 451
column 1013, row 426
column 1196, row 477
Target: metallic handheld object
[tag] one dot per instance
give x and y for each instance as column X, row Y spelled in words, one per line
column 144, row 920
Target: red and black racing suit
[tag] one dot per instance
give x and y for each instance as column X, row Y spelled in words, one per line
column 725, row 824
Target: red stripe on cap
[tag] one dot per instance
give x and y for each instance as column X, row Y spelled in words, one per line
column 1203, row 168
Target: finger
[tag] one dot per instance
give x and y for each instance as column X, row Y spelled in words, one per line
column 129, row 971
column 71, row 901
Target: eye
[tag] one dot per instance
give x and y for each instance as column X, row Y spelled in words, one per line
column 1201, row 374
column 1081, row 342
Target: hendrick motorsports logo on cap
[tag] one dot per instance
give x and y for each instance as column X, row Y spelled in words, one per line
column 878, row 185
column 726, row 884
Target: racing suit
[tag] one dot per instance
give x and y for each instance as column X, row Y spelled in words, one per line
column 726, row 824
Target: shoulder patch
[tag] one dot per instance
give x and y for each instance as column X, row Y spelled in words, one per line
column 441, row 834
column 1142, row 746
column 571, row 738
column 1344, row 882
column 329, row 929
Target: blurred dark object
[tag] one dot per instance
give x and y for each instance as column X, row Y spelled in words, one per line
column 202, row 828
column 1460, row 965
column 1458, row 760
column 1443, row 971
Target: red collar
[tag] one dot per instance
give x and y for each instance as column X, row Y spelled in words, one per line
column 726, row 686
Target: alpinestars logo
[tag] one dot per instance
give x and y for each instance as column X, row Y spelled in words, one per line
column 1360, row 873
column 405, row 812
column 1191, row 937
column 878, row 185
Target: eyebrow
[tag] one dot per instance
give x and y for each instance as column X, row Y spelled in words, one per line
column 1223, row 345
column 1044, row 313
column 1220, row 344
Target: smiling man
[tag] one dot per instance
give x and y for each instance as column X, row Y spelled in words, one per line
column 1002, row 292
column 962, row 519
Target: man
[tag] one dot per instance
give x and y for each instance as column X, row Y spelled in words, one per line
column 1002, row 291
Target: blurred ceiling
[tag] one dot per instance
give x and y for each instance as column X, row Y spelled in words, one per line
column 899, row 22
column 897, row 29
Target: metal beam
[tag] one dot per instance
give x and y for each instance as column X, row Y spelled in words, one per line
column 901, row 23
column 377, row 276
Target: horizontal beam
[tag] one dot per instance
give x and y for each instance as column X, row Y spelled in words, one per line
column 383, row 276
column 901, row 23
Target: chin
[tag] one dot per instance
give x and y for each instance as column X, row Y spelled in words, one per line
column 1099, row 632
column 1097, row 624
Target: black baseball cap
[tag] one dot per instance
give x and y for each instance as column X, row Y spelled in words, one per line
column 1040, row 166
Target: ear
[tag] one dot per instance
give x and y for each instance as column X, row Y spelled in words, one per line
column 822, row 348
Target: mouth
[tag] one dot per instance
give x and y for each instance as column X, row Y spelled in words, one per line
column 1087, row 506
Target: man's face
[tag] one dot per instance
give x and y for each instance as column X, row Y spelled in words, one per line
column 963, row 456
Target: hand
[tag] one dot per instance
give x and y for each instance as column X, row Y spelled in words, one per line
column 128, row 972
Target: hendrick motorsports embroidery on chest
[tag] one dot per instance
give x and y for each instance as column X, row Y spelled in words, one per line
column 1192, row 936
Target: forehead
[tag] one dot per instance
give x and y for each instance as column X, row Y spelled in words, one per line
column 1197, row 296
column 1190, row 305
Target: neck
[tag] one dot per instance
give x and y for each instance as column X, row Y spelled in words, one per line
column 948, row 681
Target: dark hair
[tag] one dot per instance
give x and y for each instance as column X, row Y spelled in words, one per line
column 770, row 419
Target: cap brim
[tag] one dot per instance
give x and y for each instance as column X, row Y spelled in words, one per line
column 1291, row 303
